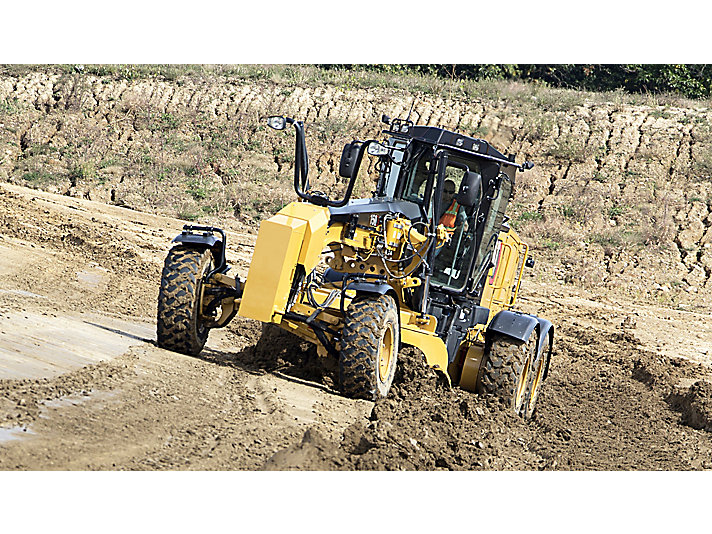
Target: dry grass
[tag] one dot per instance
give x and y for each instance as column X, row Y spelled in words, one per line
column 581, row 200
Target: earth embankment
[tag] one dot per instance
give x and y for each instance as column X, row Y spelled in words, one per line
column 620, row 197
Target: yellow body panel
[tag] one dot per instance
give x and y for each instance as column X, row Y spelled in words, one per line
column 417, row 321
column 295, row 235
column 471, row 367
column 317, row 219
column 272, row 268
column 504, row 278
column 431, row 345
column 500, row 292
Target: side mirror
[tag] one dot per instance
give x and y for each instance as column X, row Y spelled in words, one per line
column 470, row 193
column 348, row 159
column 527, row 165
column 278, row 123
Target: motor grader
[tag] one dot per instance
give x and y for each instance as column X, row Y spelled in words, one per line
column 360, row 278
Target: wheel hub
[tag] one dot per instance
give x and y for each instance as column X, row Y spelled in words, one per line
column 385, row 354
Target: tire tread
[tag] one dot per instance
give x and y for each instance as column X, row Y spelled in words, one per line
column 358, row 361
column 178, row 326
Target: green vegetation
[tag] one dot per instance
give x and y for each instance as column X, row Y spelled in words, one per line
column 527, row 216
column 9, row 106
column 568, row 211
column 187, row 215
column 692, row 81
column 660, row 114
column 40, row 149
column 330, row 128
column 550, row 244
column 84, row 171
column 703, row 164
column 538, row 126
column 38, row 177
column 198, row 190
column 615, row 211
column 570, row 147
column 599, row 177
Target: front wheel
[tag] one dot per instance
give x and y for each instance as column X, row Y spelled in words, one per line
column 369, row 347
column 180, row 326
column 536, row 377
column 505, row 372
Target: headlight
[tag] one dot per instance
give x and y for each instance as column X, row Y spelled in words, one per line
column 377, row 149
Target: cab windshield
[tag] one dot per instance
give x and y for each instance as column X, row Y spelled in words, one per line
column 417, row 179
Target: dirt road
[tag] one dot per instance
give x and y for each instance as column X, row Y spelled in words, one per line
column 82, row 385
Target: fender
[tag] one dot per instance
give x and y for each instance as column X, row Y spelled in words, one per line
column 206, row 239
column 520, row 326
column 545, row 327
column 361, row 286
column 373, row 288
column 515, row 325
column 369, row 287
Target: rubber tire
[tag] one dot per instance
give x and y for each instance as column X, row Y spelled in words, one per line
column 505, row 371
column 178, row 325
column 365, row 325
column 540, row 366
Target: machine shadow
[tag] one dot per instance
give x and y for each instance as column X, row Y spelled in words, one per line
column 269, row 349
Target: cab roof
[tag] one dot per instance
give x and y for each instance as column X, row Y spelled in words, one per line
column 445, row 138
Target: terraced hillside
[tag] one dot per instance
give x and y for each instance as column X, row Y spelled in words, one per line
column 620, row 197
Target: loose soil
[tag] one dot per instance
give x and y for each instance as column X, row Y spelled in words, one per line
column 628, row 387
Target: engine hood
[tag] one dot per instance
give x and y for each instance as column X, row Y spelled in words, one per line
column 378, row 206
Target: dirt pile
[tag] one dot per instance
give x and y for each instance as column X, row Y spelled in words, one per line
column 608, row 409
column 423, row 425
column 695, row 405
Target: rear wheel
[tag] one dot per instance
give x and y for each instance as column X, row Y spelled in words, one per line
column 536, row 377
column 506, row 369
column 369, row 347
column 179, row 325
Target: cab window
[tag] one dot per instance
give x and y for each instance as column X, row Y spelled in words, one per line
column 495, row 217
column 452, row 259
column 415, row 187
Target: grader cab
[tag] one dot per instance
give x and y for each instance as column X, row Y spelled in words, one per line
column 428, row 261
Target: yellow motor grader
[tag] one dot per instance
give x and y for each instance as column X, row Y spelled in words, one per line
column 428, row 261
